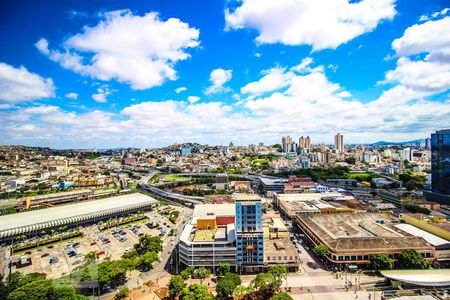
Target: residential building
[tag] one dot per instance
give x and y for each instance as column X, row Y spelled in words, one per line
column 339, row 143
column 249, row 233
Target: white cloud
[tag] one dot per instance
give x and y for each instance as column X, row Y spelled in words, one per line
column 72, row 96
column 19, row 85
column 258, row 54
column 180, row 89
column 423, row 65
column 101, row 95
column 137, row 50
column 310, row 104
column 193, row 99
column 218, row 78
column 273, row 79
column 431, row 37
column 320, row 23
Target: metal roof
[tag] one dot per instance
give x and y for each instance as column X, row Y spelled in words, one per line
column 21, row 223
column 428, row 277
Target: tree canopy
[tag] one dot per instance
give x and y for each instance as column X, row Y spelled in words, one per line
column 227, row 284
column 381, row 262
column 411, row 259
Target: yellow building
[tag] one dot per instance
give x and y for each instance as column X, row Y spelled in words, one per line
column 434, row 225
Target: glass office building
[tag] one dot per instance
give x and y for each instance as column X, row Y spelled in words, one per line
column 249, row 233
column 440, row 162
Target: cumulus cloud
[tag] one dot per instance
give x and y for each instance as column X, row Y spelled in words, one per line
column 193, row 99
column 101, row 95
column 180, row 89
column 20, row 85
column 423, row 64
column 218, row 78
column 273, row 79
column 321, row 23
column 310, row 103
column 72, row 96
column 137, row 50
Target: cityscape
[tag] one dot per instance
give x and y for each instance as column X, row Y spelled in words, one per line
column 245, row 150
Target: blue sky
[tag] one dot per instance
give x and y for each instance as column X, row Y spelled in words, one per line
column 103, row 74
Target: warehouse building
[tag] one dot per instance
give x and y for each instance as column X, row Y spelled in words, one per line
column 354, row 238
column 311, row 203
column 31, row 222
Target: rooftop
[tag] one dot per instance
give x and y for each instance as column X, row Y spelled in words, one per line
column 72, row 210
column 203, row 210
column 360, row 231
column 429, row 237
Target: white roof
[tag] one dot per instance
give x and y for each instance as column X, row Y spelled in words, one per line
column 202, row 210
column 306, row 196
column 70, row 211
column 429, row 237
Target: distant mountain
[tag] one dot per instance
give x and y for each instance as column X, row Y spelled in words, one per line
column 384, row 143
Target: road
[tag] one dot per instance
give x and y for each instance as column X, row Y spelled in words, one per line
column 160, row 265
column 143, row 183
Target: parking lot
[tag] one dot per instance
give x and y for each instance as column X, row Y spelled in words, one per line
column 61, row 259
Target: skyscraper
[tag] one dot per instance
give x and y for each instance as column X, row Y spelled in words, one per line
column 249, row 233
column 287, row 143
column 428, row 143
column 440, row 162
column 301, row 142
column 407, row 154
column 339, row 143
column 307, row 142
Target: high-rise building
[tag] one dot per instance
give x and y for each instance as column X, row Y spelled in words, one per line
column 249, row 233
column 407, row 154
column 440, row 162
column 287, row 144
column 301, row 142
column 307, row 142
column 428, row 143
column 339, row 143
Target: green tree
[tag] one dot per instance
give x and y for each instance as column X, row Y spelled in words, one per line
column 411, row 259
column 176, row 285
column 196, row 292
column 186, row 273
column 281, row 296
column 223, row 269
column 321, row 250
column 227, row 284
column 122, row 293
column 350, row 160
column 264, row 285
column 280, row 273
column 201, row 273
column 381, row 262
column 147, row 259
column 36, row 290
column 148, row 243
column 240, row 292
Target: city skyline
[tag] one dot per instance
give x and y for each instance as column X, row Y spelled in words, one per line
column 138, row 74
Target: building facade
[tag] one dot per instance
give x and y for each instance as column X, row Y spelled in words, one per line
column 440, row 162
column 339, row 143
column 249, row 233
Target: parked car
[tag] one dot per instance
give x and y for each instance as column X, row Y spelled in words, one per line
column 45, row 255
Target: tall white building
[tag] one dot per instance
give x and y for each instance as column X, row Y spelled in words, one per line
column 407, row 154
column 339, row 143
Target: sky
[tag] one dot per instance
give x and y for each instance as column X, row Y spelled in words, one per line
column 107, row 74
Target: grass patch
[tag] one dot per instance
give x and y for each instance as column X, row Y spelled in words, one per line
column 175, row 177
column 58, row 242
